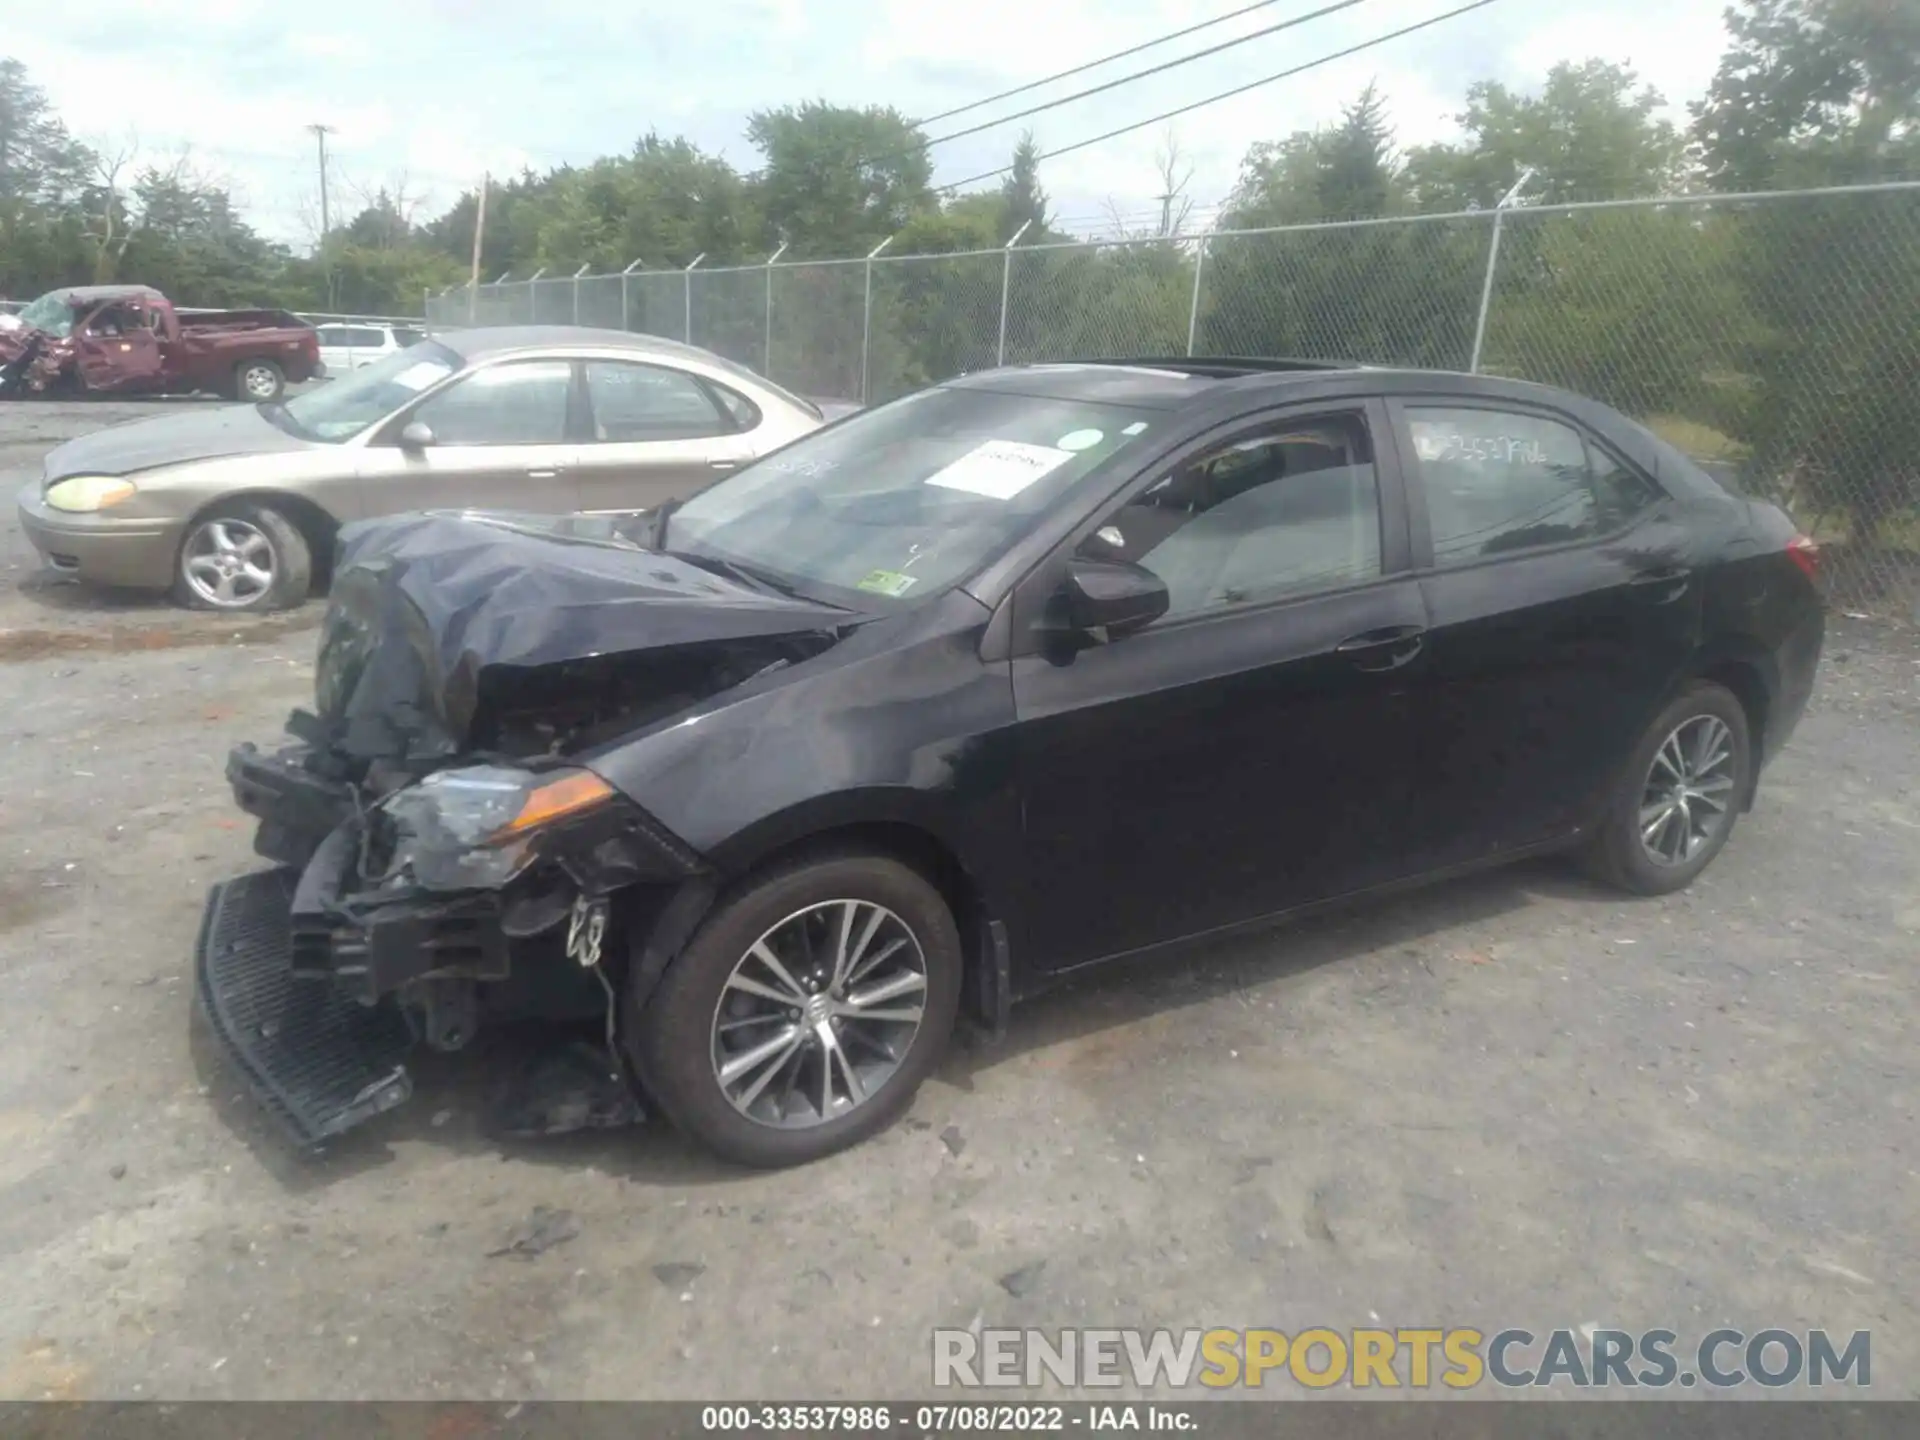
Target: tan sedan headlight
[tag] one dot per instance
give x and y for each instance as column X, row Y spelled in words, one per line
column 89, row 492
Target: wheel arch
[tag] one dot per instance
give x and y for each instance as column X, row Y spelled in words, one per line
column 317, row 525
column 889, row 823
column 1744, row 667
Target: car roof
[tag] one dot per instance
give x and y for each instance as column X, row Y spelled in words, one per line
column 1196, row 382
column 491, row 340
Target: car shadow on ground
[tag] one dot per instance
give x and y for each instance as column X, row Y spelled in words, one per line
column 1402, row 928
column 455, row 1095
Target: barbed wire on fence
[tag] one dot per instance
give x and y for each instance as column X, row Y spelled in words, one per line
column 1775, row 337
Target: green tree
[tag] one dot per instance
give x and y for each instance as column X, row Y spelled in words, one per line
column 1354, row 165
column 42, row 178
column 665, row 202
column 1812, row 93
column 1023, row 201
column 1592, row 133
column 186, row 238
column 1388, row 294
column 837, row 181
column 514, row 209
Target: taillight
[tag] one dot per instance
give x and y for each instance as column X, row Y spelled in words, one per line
column 1804, row 551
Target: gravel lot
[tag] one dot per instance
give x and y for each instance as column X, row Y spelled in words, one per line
column 1517, row 1100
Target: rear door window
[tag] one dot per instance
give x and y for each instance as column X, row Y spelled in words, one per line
column 649, row 402
column 1498, row 481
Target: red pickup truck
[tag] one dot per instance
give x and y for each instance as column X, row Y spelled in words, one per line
column 130, row 340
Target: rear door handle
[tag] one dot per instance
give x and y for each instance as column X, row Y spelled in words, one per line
column 1663, row 585
column 1385, row 649
column 543, row 474
column 723, row 464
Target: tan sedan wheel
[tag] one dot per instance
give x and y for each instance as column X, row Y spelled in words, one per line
column 243, row 557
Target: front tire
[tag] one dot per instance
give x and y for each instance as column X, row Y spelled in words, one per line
column 243, row 559
column 1677, row 800
column 805, row 1012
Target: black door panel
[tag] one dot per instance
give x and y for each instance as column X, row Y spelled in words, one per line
column 1205, row 773
column 1544, row 669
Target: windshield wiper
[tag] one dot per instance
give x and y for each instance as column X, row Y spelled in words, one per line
column 751, row 576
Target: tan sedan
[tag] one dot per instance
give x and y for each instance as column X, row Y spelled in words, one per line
column 235, row 508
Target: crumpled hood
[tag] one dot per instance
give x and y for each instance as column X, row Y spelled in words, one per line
column 197, row 432
column 424, row 606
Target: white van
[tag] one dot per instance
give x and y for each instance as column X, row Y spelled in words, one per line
column 345, row 347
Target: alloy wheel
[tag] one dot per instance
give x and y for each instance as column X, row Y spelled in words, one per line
column 228, row 563
column 817, row 1016
column 1688, row 796
column 259, row 382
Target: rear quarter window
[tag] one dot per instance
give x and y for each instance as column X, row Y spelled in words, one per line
column 1498, row 481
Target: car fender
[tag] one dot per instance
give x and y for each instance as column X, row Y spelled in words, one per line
column 900, row 724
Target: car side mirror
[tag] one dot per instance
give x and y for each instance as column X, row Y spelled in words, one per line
column 1114, row 595
column 416, row 435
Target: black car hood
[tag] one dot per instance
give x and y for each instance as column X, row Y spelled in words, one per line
column 197, row 432
column 432, row 613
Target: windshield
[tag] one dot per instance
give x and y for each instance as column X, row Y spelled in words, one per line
column 902, row 502
column 342, row 408
column 50, row 313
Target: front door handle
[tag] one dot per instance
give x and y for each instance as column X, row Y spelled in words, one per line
column 543, row 474
column 1385, row 649
column 723, row 464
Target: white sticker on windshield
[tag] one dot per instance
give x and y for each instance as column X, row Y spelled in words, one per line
column 418, row 377
column 1000, row 468
column 1137, row 427
column 1082, row 439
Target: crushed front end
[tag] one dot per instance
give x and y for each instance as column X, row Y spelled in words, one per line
column 443, row 853
column 414, row 916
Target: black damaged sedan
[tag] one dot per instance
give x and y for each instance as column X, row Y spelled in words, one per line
column 1030, row 670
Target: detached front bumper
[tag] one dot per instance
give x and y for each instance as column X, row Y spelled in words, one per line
column 317, row 1060
column 318, row 976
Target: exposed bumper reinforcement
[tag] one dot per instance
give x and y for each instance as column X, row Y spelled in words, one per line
column 318, row 1060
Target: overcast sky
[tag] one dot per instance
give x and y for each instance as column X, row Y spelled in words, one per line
column 431, row 92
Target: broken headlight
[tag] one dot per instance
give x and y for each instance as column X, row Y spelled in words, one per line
column 473, row 828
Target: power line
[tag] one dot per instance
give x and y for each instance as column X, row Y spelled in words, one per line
column 1227, row 94
column 1165, row 65
column 1096, row 64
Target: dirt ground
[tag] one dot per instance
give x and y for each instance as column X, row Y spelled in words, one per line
column 1517, row 1100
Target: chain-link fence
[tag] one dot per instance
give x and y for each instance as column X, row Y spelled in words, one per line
column 1776, row 338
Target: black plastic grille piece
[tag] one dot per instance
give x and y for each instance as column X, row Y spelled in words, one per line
column 318, row 1060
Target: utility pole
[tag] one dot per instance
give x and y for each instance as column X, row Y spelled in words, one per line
column 320, row 133
column 479, row 229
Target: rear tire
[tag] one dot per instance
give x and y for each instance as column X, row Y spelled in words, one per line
column 227, row 552
column 691, row 1028
column 1679, row 796
column 258, row 381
